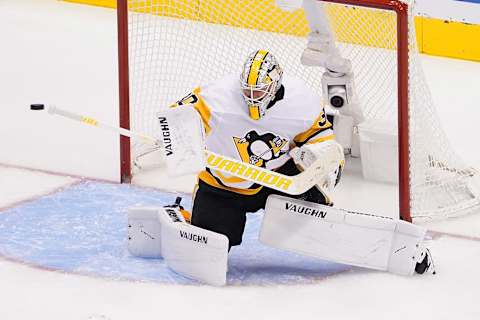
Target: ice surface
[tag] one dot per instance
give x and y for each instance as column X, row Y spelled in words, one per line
column 25, row 184
column 64, row 53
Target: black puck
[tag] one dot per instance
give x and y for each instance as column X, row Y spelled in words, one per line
column 37, row 106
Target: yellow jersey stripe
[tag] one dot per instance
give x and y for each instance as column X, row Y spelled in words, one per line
column 329, row 137
column 231, row 179
column 206, row 177
column 310, row 133
column 320, row 124
column 203, row 110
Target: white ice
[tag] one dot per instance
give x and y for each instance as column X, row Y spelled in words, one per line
column 61, row 53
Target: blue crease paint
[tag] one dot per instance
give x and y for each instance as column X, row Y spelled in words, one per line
column 82, row 229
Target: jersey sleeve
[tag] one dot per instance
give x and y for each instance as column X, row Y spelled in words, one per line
column 321, row 130
column 195, row 100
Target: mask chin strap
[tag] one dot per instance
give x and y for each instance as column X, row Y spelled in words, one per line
column 254, row 112
column 257, row 108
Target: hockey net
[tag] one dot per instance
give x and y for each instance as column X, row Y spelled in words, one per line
column 174, row 46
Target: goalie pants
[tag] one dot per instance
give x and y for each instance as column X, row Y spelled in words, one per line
column 225, row 212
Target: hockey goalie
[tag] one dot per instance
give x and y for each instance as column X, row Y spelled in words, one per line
column 269, row 120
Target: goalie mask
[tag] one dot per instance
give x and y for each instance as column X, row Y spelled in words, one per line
column 260, row 80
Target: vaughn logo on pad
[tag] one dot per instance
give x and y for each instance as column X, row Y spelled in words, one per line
column 193, row 237
column 317, row 213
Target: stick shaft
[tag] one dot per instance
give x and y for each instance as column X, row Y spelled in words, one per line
column 288, row 184
column 93, row 122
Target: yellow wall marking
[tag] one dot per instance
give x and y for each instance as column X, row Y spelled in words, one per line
column 434, row 36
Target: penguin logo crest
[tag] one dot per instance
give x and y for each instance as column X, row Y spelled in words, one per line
column 258, row 149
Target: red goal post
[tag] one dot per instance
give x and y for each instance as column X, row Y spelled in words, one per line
column 124, row 89
column 401, row 9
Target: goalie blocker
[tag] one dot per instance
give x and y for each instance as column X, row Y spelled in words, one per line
column 346, row 237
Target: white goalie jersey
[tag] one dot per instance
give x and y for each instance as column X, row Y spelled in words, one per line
column 296, row 118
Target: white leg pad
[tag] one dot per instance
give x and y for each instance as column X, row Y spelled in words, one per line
column 188, row 250
column 194, row 252
column 144, row 232
column 341, row 236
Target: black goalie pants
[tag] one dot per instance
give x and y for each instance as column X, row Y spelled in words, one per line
column 225, row 212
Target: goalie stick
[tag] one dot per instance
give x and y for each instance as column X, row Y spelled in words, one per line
column 294, row 185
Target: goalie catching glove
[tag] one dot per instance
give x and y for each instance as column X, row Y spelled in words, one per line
column 308, row 154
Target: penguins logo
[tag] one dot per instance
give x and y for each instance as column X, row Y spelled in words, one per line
column 259, row 149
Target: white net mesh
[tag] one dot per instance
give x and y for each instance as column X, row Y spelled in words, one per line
column 175, row 46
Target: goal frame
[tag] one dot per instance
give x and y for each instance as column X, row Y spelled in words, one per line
column 401, row 10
